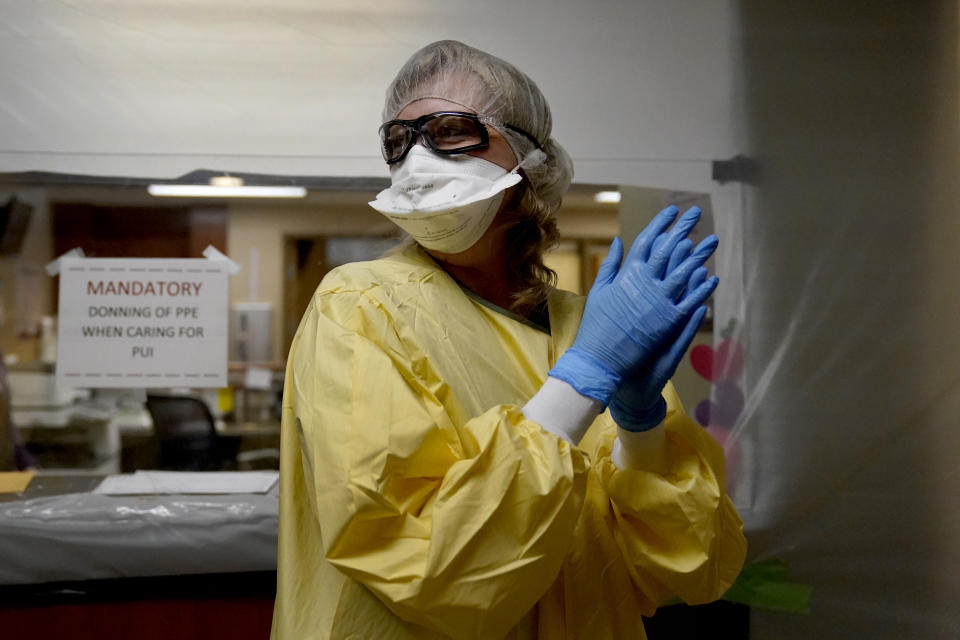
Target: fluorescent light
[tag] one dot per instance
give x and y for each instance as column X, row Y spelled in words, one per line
column 226, row 181
column 607, row 197
column 213, row 191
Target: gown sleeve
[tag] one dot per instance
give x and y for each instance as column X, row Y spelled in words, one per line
column 669, row 520
column 460, row 528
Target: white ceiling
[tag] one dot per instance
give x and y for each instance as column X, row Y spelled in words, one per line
column 162, row 87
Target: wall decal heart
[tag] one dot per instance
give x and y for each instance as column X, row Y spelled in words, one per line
column 724, row 362
column 701, row 359
column 723, row 409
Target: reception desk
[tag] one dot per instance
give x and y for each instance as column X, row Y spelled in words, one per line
column 77, row 564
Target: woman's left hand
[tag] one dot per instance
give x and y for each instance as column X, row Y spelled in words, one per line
column 638, row 404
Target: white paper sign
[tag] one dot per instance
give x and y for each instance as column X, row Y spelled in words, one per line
column 142, row 322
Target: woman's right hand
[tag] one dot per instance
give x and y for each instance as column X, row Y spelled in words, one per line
column 633, row 311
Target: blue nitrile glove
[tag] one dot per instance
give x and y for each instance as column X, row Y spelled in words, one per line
column 633, row 310
column 638, row 404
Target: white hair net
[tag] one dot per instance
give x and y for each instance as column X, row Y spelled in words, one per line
column 500, row 94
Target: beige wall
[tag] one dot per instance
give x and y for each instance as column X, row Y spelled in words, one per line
column 264, row 226
column 565, row 260
column 600, row 223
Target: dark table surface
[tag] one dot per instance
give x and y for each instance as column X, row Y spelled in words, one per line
column 54, row 485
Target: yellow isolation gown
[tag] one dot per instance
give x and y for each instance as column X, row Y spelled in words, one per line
column 417, row 501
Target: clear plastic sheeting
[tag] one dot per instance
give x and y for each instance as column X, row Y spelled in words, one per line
column 839, row 290
column 86, row 536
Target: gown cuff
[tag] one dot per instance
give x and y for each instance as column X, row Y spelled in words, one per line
column 561, row 410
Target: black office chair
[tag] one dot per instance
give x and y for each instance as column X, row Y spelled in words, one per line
column 187, row 437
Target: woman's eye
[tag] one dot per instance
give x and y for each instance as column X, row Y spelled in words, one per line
column 395, row 142
column 452, row 132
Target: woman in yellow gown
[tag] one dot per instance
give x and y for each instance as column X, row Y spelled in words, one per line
column 435, row 480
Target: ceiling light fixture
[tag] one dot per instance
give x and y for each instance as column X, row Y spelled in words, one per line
column 607, row 197
column 224, row 187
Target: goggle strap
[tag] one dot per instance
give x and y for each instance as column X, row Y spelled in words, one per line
column 529, row 136
column 533, row 159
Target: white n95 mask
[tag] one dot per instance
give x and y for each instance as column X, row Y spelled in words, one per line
column 445, row 202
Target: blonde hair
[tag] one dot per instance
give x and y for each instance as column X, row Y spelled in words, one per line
column 532, row 232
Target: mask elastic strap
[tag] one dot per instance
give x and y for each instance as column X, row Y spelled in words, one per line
column 533, row 159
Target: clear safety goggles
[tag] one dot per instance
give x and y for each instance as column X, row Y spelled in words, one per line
column 443, row 132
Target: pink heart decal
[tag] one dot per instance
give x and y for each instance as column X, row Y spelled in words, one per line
column 723, row 363
column 701, row 359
